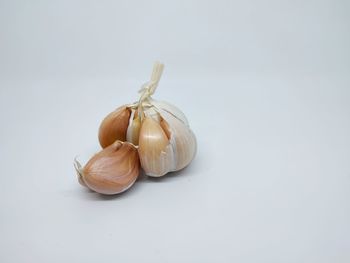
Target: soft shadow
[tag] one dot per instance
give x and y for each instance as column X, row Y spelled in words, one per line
column 186, row 172
column 92, row 195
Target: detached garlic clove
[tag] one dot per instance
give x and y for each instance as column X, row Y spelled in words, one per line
column 114, row 126
column 156, row 154
column 111, row 171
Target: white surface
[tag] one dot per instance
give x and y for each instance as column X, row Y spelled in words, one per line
column 265, row 86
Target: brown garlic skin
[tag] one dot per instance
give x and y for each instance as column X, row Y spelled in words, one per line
column 113, row 170
column 114, row 126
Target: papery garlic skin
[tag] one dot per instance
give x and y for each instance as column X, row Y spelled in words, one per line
column 78, row 169
column 114, row 126
column 113, row 170
column 182, row 140
column 164, row 106
column 133, row 130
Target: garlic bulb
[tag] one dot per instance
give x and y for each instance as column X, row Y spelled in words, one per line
column 151, row 133
column 159, row 129
column 111, row 171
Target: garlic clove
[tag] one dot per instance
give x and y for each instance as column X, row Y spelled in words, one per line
column 114, row 126
column 133, row 131
column 182, row 140
column 156, row 154
column 113, row 170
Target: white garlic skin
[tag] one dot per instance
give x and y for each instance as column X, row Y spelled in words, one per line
column 170, row 108
column 182, row 140
column 166, row 142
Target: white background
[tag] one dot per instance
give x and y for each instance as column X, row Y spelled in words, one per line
column 265, row 86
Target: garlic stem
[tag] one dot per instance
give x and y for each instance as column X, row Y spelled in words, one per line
column 156, row 75
column 149, row 88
